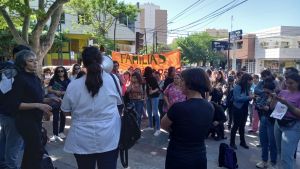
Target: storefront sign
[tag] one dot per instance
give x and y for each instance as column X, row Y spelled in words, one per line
column 156, row 61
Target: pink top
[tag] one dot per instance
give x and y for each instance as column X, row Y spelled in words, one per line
column 174, row 95
column 292, row 98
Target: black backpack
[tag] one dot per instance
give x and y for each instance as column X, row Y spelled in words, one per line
column 227, row 157
column 47, row 162
column 130, row 131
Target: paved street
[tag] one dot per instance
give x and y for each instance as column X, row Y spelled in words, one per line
column 150, row 152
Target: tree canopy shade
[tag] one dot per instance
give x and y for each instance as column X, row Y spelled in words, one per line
column 20, row 10
column 196, row 48
column 101, row 14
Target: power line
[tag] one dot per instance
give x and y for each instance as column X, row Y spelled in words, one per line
column 217, row 14
column 208, row 15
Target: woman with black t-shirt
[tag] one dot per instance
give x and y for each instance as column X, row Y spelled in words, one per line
column 27, row 102
column 57, row 88
column 153, row 91
column 188, row 122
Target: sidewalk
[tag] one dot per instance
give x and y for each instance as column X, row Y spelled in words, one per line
column 150, row 151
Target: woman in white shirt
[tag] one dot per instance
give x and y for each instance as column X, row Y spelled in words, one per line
column 95, row 129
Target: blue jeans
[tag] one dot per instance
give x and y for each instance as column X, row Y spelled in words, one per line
column 10, row 143
column 152, row 109
column 139, row 107
column 287, row 139
column 267, row 140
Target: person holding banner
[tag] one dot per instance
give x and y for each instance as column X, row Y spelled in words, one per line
column 152, row 91
column 287, row 130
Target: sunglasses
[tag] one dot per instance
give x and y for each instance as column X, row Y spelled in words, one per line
column 76, row 68
column 60, row 71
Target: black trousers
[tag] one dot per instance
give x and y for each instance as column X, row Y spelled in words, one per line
column 58, row 116
column 239, row 122
column 160, row 108
column 30, row 130
column 106, row 160
column 230, row 114
column 219, row 130
column 179, row 157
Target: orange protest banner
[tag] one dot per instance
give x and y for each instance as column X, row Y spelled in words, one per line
column 156, row 61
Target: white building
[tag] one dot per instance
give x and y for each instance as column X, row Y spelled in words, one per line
column 277, row 48
column 153, row 21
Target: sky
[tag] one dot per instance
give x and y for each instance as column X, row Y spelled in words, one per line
column 251, row 16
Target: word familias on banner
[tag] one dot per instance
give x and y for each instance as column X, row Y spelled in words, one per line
column 143, row 59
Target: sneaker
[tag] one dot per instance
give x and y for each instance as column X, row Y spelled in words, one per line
column 262, row 164
column 157, row 133
column 147, row 129
column 62, row 135
column 53, row 138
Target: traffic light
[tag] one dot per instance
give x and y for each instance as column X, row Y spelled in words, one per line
column 139, row 42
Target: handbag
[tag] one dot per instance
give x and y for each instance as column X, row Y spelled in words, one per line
column 130, row 131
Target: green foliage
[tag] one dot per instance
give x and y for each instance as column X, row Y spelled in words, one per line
column 161, row 48
column 101, row 14
column 196, row 48
column 6, row 44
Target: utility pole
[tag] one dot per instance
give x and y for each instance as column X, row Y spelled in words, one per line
column 153, row 44
column 146, row 40
column 229, row 47
column 156, row 42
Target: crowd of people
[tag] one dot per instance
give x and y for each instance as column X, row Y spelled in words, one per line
column 180, row 102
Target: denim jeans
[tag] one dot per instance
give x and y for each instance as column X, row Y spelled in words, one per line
column 267, row 140
column 287, row 139
column 139, row 106
column 152, row 109
column 10, row 143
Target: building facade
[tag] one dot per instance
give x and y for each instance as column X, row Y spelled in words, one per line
column 152, row 22
column 274, row 48
column 277, row 48
column 79, row 35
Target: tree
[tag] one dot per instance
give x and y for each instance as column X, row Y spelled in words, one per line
column 101, row 15
column 196, row 48
column 45, row 11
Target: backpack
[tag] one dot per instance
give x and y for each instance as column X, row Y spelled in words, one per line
column 130, row 131
column 227, row 157
column 7, row 72
column 47, row 162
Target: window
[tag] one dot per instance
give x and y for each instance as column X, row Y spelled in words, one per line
column 276, row 45
column 298, row 44
column 284, row 45
column 84, row 19
column 239, row 45
column 264, row 45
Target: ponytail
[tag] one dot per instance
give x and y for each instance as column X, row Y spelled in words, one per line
column 92, row 59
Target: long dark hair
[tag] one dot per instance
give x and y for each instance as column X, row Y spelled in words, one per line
column 92, row 59
column 73, row 68
column 56, row 76
column 244, row 82
column 148, row 72
column 138, row 77
column 170, row 70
